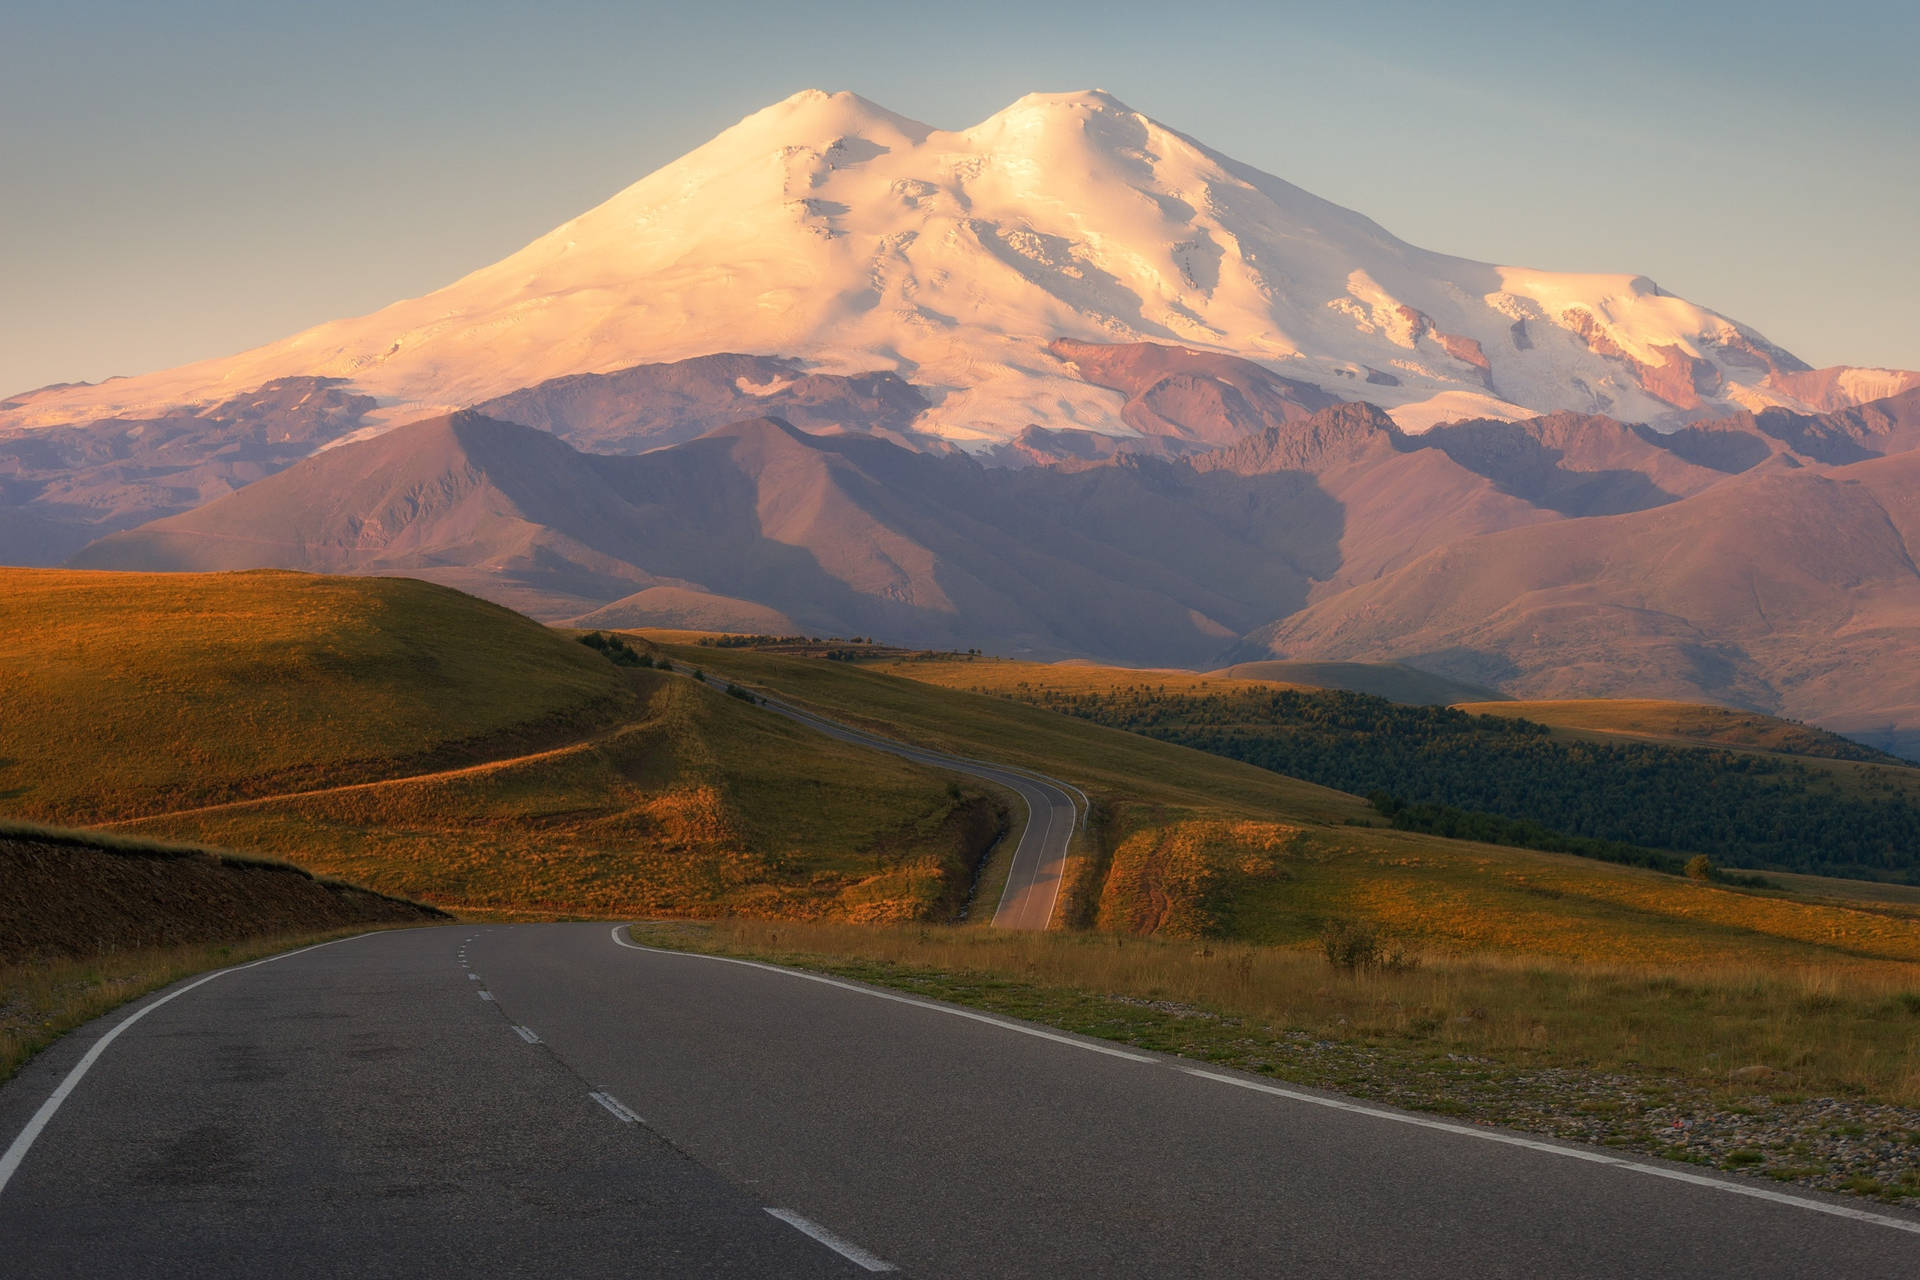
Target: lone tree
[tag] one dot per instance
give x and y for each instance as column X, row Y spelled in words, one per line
column 1699, row 867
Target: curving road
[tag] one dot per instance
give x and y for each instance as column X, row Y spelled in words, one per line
column 550, row 1100
column 1039, row 860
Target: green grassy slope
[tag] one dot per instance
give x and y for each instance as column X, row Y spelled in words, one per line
column 126, row 693
column 429, row 744
column 1095, row 758
column 700, row 805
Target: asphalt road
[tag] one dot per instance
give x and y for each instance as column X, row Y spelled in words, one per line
column 454, row 1101
column 1039, row 860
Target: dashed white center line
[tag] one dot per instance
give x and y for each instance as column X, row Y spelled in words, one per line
column 617, row 1107
column 526, row 1033
column 486, row 995
column 845, row 1248
column 473, row 977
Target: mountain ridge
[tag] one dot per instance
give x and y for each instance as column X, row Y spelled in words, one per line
column 1491, row 552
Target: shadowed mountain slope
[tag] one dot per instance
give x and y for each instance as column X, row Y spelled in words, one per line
column 841, row 534
column 659, row 404
column 62, row 487
column 1786, row 590
column 1560, row 556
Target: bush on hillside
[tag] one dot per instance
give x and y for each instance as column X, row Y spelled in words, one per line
column 616, row 650
column 1357, row 947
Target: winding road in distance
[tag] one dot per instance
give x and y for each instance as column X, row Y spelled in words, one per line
column 1039, row 860
column 551, row 1100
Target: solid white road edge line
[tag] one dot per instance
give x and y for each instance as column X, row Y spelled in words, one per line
column 18, row 1151
column 888, row 995
column 1572, row 1153
column 845, row 1248
column 1060, row 876
column 1318, row 1100
column 618, row 1108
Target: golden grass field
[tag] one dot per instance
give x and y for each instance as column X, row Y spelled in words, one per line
column 700, row 805
column 428, row 744
column 420, row 743
column 1842, row 1026
column 127, row 692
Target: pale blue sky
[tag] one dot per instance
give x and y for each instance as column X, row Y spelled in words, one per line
column 188, row 179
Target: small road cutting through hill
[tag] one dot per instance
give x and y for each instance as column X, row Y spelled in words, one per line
column 554, row 1100
column 1039, row 860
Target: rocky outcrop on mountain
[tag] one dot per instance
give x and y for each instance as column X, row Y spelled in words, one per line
column 1851, row 434
column 1192, row 397
column 1313, row 444
column 656, row 404
column 1840, row 386
column 1745, row 440
column 1678, row 379
column 1467, row 351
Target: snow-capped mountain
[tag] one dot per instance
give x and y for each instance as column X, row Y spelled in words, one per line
column 829, row 230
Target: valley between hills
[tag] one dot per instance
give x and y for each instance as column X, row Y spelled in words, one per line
column 444, row 751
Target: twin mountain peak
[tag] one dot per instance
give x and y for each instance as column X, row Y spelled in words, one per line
column 1065, row 382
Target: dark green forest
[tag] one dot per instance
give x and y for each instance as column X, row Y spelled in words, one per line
column 1438, row 769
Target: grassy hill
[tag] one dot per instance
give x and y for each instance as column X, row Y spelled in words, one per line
column 428, row 744
column 700, row 804
column 126, row 693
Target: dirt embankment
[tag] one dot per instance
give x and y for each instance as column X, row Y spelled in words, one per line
column 63, row 897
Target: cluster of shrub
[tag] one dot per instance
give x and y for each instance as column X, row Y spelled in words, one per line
column 623, row 654
column 1510, row 781
column 620, row 653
